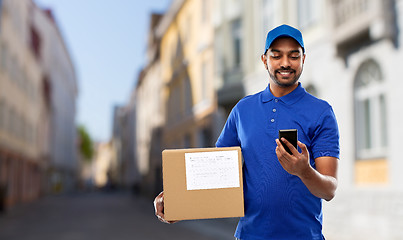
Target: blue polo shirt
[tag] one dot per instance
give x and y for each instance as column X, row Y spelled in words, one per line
column 277, row 204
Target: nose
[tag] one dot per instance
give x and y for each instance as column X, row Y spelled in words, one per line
column 285, row 62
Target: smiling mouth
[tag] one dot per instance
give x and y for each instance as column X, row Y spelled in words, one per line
column 285, row 73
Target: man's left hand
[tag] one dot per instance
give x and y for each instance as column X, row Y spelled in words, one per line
column 295, row 164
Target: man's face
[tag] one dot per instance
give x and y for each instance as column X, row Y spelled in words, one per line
column 284, row 61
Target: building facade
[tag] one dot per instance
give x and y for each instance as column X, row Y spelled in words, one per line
column 176, row 104
column 59, row 77
column 341, row 39
column 150, row 114
column 123, row 171
column 20, row 105
column 187, row 67
column 353, row 49
column 229, row 53
column 37, row 103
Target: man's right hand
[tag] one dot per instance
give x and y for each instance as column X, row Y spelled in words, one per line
column 159, row 208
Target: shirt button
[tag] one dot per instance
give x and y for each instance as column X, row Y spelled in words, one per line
column 272, row 120
column 274, row 110
column 276, row 100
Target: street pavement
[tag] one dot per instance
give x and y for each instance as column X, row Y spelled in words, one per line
column 100, row 215
column 356, row 214
column 364, row 214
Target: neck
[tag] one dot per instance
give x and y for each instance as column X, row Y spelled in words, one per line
column 279, row 91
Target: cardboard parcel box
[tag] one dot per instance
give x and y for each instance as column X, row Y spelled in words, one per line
column 202, row 183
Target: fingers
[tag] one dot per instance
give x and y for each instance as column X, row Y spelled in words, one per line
column 162, row 220
column 279, row 148
column 159, row 204
column 304, row 149
column 288, row 144
column 282, row 154
column 159, row 208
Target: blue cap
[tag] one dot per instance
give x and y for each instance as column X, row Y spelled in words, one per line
column 284, row 31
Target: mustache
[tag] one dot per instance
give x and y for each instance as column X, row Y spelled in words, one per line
column 285, row 69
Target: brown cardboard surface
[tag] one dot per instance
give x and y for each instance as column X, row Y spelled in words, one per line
column 183, row 204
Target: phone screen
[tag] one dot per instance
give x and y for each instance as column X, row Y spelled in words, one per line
column 291, row 135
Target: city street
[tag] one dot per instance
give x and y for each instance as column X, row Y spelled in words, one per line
column 121, row 216
column 100, row 216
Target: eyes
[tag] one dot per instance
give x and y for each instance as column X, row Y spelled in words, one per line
column 276, row 54
column 291, row 56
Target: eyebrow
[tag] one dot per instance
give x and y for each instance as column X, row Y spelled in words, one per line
column 278, row 51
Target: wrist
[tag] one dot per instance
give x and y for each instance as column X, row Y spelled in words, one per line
column 307, row 173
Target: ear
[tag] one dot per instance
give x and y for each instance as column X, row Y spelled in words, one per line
column 264, row 60
column 303, row 59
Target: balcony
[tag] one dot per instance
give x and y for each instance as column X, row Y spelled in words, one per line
column 232, row 89
column 357, row 23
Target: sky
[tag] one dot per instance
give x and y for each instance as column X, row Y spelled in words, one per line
column 107, row 42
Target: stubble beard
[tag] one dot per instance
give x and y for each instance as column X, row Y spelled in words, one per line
column 284, row 84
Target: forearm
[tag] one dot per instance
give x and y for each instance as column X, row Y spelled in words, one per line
column 322, row 186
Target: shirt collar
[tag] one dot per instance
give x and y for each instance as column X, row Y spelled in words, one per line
column 290, row 98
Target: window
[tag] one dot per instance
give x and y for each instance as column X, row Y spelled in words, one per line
column 308, row 12
column 187, row 141
column 179, row 50
column 188, row 101
column 204, row 11
column 219, row 53
column 268, row 14
column 17, row 125
column 4, row 57
column 174, row 103
column 173, row 52
column 237, row 38
column 204, row 75
column 370, row 109
column 205, row 137
column 186, row 28
column 1, row 8
column 12, row 122
column 13, row 69
column 189, row 31
column 2, row 114
column 35, row 42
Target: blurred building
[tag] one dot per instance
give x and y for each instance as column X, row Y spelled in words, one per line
column 100, row 167
column 132, row 174
column 37, row 104
column 60, row 77
column 347, row 44
column 150, row 114
column 187, row 65
column 230, row 36
column 96, row 173
column 123, row 171
column 353, row 49
column 21, row 102
column 176, row 103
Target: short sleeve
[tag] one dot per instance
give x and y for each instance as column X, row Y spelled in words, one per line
column 326, row 136
column 229, row 134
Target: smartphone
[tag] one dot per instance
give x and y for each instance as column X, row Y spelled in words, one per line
column 291, row 135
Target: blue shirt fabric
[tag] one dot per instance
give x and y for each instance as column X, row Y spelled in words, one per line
column 277, row 204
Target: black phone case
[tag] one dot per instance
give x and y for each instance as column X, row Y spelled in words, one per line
column 291, row 135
